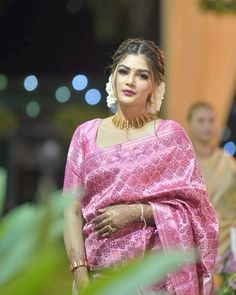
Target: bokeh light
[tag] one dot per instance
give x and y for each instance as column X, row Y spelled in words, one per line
column 33, row 109
column 93, row 96
column 80, row 82
column 3, row 82
column 229, row 148
column 30, row 83
column 62, row 94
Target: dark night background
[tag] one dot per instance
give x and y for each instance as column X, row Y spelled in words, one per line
column 56, row 40
column 44, row 37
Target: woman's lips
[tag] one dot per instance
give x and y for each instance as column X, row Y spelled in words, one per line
column 128, row 92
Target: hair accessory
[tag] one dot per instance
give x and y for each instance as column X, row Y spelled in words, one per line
column 76, row 264
column 159, row 95
column 111, row 98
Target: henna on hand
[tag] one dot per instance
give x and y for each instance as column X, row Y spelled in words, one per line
column 113, row 218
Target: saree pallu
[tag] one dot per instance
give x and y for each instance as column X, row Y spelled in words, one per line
column 160, row 169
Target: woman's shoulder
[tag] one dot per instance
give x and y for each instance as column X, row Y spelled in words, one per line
column 228, row 159
column 174, row 131
column 87, row 127
column 171, row 125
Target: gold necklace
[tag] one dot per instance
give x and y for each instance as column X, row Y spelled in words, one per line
column 136, row 122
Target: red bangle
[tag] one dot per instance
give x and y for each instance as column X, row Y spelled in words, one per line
column 76, row 264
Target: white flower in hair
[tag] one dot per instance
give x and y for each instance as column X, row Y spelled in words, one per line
column 111, row 99
column 160, row 95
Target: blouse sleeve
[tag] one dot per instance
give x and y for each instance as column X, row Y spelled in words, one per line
column 73, row 183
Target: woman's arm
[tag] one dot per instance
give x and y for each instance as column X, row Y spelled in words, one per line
column 147, row 213
column 74, row 242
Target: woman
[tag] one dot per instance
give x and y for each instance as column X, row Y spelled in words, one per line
column 218, row 169
column 141, row 185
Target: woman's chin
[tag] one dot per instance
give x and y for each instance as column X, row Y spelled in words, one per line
column 128, row 101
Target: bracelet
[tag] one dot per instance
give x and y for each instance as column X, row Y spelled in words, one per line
column 76, row 264
column 142, row 216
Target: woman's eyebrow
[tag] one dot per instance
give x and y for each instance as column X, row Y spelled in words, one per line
column 139, row 70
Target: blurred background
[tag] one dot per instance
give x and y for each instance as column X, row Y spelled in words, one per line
column 53, row 69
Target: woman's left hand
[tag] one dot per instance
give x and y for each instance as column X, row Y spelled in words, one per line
column 115, row 217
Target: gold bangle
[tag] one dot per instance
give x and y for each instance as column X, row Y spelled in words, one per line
column 76, row 264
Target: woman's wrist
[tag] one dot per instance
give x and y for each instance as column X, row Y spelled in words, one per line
column 81, row 277
column 135, row 213
column 80, row 269
column 147, row 213
column 77, row 264
column 80, row 272
column 141, row 212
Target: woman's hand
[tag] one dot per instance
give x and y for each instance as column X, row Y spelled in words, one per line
column 81, row 278
column 115, row 217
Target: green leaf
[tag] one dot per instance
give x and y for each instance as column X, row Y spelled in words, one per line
column 40, row 273
column 153, row 268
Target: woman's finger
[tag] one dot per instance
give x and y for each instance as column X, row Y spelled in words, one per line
column 105, row 231
column 105, row 209
column 101, row 224
column 99, row 218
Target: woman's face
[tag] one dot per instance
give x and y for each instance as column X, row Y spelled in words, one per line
column 133, row 81
column 203, row 124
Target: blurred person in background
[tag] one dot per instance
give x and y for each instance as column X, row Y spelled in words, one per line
column 136, row 182
column 219, row 169
column 49, row 159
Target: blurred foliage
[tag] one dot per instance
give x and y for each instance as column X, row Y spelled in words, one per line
column 67, row 118
column 33, row 260
column 8, row 121
column 225, row 274
column 220, row 6
column 142, row 272
column 32, row 255
column 3, row 182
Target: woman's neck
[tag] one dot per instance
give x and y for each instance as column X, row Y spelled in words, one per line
column 130, row 112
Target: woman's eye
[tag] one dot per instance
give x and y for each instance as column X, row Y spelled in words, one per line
column 122, row 72
column 143, row 76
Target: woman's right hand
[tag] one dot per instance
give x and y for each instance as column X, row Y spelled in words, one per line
column 81, row 278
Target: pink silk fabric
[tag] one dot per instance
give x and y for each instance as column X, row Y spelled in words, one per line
column 160, row 169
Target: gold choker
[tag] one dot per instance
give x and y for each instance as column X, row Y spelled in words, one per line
column 137, row 122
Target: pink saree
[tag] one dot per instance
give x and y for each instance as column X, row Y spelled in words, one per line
column 160, row 170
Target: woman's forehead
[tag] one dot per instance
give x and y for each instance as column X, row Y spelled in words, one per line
column 204, row 112
column 135, row 61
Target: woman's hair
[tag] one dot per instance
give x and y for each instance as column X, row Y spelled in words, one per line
column 196, row 106
column 149, row 49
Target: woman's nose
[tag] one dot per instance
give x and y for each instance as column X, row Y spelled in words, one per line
column 130, row 79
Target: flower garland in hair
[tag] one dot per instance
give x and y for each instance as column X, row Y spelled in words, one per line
column 160, row 92
column 112, row 100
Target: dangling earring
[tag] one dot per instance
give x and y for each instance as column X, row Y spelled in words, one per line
column 151, row 106
column 111, row 98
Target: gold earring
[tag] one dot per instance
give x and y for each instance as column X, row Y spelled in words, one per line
column 151, row 106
